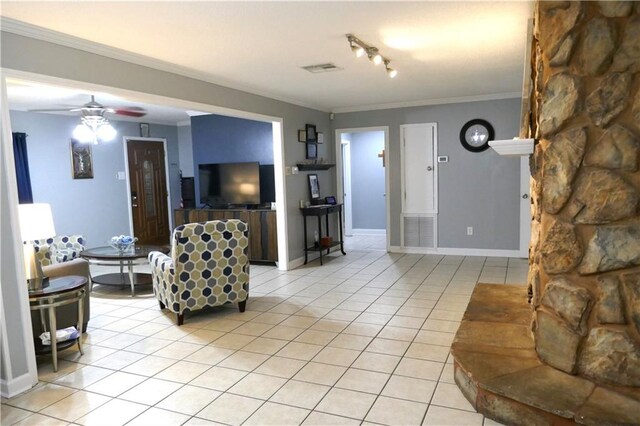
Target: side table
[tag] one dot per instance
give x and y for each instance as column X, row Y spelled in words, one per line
column 60, row 291
column 318, row 212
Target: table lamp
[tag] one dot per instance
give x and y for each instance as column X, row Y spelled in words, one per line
column 36, row 222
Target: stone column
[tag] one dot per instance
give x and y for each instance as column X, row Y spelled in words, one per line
column 585, row 251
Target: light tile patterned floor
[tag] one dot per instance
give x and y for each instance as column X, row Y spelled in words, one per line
column 363, row 339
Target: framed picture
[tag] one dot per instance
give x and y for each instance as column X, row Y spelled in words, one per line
column 312, row 151
column 81, row 160
column 312, row 137
column 314, row 187
column 144, row 130
column 302, row 135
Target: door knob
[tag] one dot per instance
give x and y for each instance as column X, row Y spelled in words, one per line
column 429, row 168
column 525, row 196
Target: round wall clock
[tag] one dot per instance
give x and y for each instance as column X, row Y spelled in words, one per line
column 476, row 134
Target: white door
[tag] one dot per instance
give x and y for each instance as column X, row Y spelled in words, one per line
column 419, row 185
column 525, row 206
column 346, row 186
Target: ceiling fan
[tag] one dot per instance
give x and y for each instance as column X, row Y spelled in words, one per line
column 93, row 108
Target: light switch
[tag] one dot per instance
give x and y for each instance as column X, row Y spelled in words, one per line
column 443, row 159
column 287, row 170
column 294, row 170
column 120, row 176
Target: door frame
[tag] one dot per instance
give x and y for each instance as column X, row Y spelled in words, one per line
column 525, row 207
column 387, row 170
column 126, row 140
column 346, row 182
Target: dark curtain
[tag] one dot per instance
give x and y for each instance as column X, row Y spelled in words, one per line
column 22, row 168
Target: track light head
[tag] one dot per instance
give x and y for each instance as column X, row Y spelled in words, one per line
column 374, row 56
column 390, row 71
column 359, row 51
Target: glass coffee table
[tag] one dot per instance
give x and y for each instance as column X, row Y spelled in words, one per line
column 109, row 256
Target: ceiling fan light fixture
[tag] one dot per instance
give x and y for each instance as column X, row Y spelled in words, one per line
column 82, row 133
column 106, row 132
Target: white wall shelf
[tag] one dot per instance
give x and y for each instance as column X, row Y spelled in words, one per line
column 513, row 147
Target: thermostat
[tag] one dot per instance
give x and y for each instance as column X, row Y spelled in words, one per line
column 443, row 159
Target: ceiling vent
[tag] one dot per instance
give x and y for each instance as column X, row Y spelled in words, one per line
column 329, row 66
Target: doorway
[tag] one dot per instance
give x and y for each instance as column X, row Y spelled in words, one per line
column 363, row 180
column 149, row 200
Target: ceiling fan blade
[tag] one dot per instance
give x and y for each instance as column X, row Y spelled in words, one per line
column 55, row 110
column 130, row 111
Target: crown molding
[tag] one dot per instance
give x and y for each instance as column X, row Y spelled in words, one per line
column 28, row 30
column 427, row 102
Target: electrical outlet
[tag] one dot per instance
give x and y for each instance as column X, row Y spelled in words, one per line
column 469, row 230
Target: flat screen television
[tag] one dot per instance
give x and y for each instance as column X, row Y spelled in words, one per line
column 227, row 184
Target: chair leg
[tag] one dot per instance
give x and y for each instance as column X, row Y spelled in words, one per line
column 161, row 304
column 242, row 305
column 180, row 319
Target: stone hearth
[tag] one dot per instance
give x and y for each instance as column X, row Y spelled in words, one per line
column 498, row 370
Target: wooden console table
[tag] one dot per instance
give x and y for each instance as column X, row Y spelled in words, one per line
column 263, row 235
column 319, row 211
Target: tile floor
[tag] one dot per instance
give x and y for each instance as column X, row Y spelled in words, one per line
column 363, row 339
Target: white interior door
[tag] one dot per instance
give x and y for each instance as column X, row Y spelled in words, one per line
column 418, row 169
column 419, row 185
column 525, row 206
column 346, row 186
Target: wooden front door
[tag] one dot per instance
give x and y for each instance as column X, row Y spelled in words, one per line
column 148, row 191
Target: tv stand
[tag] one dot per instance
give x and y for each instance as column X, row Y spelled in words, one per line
column 263, row 235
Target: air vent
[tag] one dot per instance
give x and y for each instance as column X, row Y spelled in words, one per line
column 329, row 66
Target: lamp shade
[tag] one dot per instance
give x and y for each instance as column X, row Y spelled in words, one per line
column 36, row 221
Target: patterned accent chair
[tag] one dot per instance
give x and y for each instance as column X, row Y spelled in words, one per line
column 58, row 249
column 208, row 266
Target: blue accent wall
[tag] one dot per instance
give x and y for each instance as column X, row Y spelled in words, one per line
column 220, row 139
column 367, row 181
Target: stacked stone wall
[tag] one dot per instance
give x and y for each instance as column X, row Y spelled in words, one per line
column 584, row 272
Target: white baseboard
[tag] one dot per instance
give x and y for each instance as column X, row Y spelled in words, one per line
column 456, row 251
column 368, row 232
column 295, row 263
column 15, row 386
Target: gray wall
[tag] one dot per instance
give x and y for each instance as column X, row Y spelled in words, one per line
column 475, row 189
column 42, row 57
column 96, row 208
column 367, row 181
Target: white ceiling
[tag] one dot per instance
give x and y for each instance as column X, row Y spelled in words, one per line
column 442, row 50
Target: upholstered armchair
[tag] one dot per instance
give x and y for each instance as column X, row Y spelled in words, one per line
column 208, row 266
column 58, row 249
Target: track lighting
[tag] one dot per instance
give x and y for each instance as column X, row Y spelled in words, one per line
column 359, row 47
